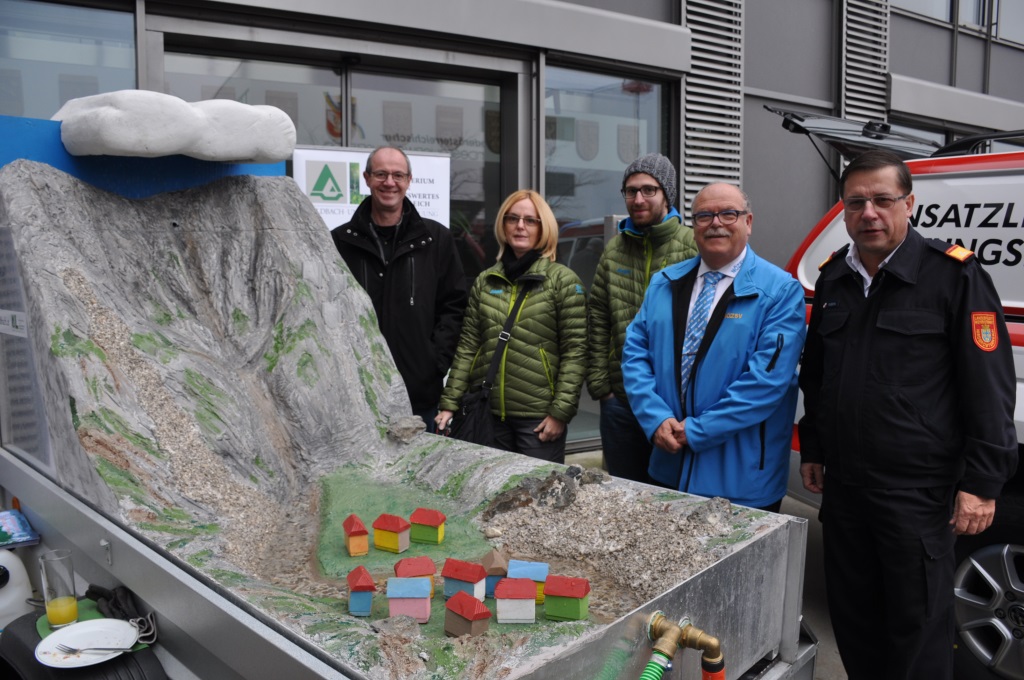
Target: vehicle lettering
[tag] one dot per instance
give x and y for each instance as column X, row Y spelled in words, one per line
column 988, row 221
column 965, row 216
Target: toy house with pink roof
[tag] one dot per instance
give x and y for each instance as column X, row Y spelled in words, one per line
column 409, row 596
column 465, row 576
column 427, row 526
column 515, row 600
column 391, row 533
column 357, row 538
column 566, row 598
column 465, row 615
column 411, row 567
column 360, row 591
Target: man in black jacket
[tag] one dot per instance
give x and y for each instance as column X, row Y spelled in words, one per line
column 908, row 429
column 410, row 268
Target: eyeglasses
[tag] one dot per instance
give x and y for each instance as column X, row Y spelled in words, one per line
column 855, row 204
column 382, row 175
column 649, row 190
column 512, row 220
column 726, row 217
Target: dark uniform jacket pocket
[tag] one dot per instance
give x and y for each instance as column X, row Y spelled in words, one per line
column 909, row 343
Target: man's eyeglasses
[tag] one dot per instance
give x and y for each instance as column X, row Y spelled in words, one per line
column 726, row 217
column 648, row 191
column 512, row 220
column 855, row 204
column 382, row 175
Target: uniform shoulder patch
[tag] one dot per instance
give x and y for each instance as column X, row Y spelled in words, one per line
column 841, row 253
column 959, row 253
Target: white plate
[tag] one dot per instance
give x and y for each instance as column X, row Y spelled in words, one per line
column 92, row 633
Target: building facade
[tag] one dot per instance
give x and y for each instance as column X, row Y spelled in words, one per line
column 555, row 95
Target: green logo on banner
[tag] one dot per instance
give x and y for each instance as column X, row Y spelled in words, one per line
column 326, row 186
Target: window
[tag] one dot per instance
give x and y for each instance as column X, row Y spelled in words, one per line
column 459, row 118
column 52, row 53
column 595, row 125
column 1011, row 21
column 937, row 9
column 310, row 96
column 974, row 13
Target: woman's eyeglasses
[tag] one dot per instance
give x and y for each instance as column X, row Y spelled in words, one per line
column 512, row 220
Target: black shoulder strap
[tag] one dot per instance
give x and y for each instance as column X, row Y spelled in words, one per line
column 504, row 336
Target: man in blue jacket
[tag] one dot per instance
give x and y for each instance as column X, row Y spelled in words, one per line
column 710, row 362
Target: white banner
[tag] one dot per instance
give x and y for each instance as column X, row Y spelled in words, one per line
column 332, row 177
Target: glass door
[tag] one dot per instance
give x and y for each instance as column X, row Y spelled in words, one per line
column 454, row 117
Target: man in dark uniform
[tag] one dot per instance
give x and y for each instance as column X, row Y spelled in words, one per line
column 412, row 272
column 908, row 385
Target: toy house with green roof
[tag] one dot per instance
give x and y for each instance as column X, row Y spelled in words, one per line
column 427, row 526
column 566, row 598
column 390, row 533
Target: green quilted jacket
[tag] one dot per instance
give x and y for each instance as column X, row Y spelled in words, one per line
column 544, row 362
column 626, row 267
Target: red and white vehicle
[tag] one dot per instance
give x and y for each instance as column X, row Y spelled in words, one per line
column 976, row 201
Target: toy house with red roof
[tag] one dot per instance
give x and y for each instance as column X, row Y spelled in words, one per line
column 360, row 591
column 566, row 598
column 495, row 563
column 465, row 615
column 427, row 526
column 464, row 576
column 412, row 567
column 409, row 596
column 514, row 600
column 390, row 533
column 535, row 571
column 357, row 538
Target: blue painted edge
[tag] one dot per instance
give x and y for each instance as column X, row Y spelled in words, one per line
column 128, row 176
column 535, row 571
column 409, row 587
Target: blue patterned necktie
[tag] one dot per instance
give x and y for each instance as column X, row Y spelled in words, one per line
column 697, row 323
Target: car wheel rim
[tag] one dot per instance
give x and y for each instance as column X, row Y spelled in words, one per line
column 989, row 595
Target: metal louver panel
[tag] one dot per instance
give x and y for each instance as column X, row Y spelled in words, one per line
column 713, row 96
column 865, row 59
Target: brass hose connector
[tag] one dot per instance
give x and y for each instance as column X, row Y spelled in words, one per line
column 668, row 637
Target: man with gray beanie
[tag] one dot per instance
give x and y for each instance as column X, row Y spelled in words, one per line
column 651, row 238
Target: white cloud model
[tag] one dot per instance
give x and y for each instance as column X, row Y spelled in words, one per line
column 151, row 124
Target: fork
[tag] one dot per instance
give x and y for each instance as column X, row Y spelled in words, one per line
column 65, row 649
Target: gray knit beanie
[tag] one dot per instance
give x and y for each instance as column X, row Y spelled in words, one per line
column 658, row 167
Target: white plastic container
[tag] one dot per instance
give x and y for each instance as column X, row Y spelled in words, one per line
column 14, row 588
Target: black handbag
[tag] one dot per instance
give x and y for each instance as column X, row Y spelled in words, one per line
column 473, row 421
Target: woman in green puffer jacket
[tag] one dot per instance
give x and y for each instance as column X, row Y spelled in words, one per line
column 537, row 389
